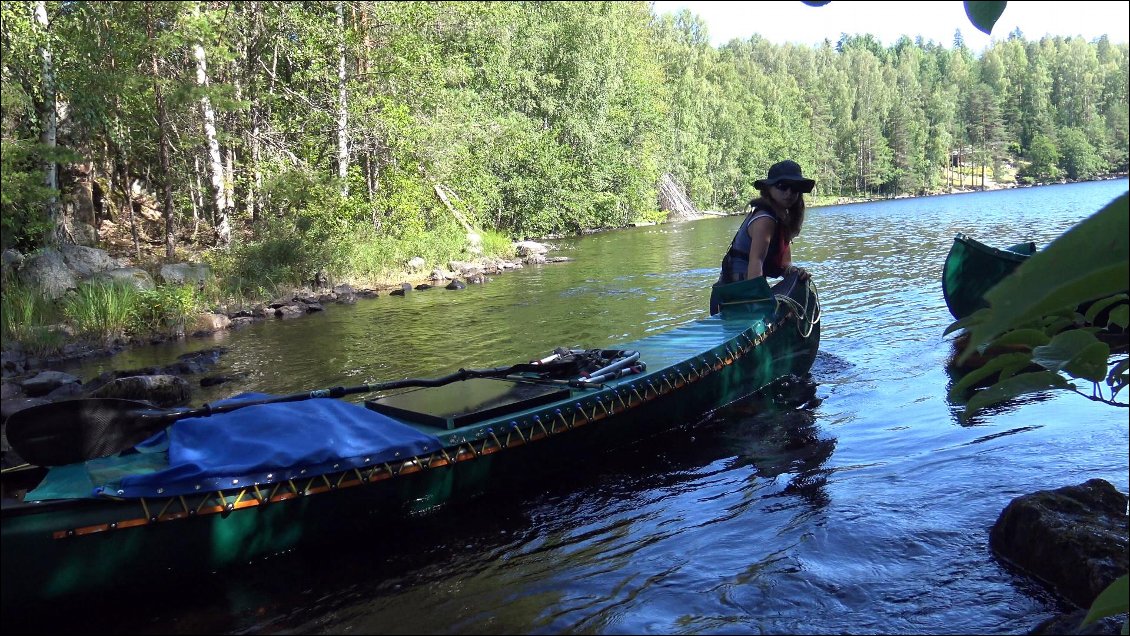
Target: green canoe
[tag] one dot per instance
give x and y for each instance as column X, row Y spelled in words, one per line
column 148, row 513
column 973, row 268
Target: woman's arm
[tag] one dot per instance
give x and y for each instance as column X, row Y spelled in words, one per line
column 760, row 234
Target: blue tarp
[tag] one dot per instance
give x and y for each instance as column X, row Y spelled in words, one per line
column 257, row 444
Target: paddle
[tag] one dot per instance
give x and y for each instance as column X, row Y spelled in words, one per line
column 73, row 431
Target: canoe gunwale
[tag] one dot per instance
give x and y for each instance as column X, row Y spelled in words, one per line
column 971, row 268
column 472, row 444
column 996, row 252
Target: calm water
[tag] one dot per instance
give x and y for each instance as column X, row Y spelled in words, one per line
column 866, row 514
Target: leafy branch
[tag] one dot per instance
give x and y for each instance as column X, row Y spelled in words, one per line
column 1060, row 316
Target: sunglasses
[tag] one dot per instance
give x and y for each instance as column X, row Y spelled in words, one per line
column 788, row 187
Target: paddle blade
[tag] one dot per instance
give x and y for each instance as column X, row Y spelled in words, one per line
column 73, row 431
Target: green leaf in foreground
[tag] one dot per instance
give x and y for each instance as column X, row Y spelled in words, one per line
column 1111, row 602
column 1029, row 337
column 967, row 322
column 1100, row 305
column 1089, row 261
column 1006, row 365
column 1013, row 387
column 1120, row 316
column 983, row 14
column 1078, row 352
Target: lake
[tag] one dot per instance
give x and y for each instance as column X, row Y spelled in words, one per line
column 867, row 513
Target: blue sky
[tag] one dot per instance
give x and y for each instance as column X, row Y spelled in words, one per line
column 793, row 21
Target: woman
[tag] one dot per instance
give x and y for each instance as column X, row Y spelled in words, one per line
column 761, row 245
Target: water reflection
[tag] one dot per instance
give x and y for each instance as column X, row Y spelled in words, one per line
column 957, row 369
column 647, row 503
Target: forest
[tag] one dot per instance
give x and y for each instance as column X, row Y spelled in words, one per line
column 276, row 139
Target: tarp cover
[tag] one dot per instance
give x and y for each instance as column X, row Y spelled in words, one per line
column 257, row 444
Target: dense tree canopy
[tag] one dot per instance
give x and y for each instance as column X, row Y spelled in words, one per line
column 236, row 119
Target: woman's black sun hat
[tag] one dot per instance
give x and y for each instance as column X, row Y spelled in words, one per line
column 788, row 171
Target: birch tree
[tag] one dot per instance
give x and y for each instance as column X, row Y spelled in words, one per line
column 218, row 191
column 342, row 103
column 49, row 126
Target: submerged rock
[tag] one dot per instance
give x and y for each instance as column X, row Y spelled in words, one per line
column 160, row 390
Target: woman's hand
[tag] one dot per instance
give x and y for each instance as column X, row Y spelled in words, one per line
column 802, row 274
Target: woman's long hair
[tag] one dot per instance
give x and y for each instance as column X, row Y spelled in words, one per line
column 792, row 222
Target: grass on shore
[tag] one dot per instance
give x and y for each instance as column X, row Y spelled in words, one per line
column 280, row 262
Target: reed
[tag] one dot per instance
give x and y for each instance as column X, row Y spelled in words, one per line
column 102, row 310
column 165, row 310
column 27, row 317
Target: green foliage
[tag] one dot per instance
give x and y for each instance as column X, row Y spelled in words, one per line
column 164, row 310
column 23, row 213
column 280, row 258
column 1089, row 262
column 1033, row 317
column 1080, row 158
column 1112, row 601
column 1085, row 264
column 497, row 244
column 1045, row 159
column 26, row 317
column 544, row 118
column 984, row 14
column 101, row 309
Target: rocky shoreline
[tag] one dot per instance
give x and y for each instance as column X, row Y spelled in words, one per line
column 58, row 271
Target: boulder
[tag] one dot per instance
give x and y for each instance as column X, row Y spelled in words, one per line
column 1072, row 538
column 195, row 362
column 65, row 392
column 287, row 312
column 46, row 381
column 182, row 273
column 48, row 271
column 209, row 323
column 527, row 248
column 10, row 390
column 10, row 261
column 86, row 261
column 161, row 390
column 137, row 278
column 84, row 234
column 242, row 321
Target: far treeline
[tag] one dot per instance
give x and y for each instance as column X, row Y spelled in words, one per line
column 347, row 137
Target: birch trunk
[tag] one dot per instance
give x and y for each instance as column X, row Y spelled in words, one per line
column 127, row 198
column 256, row 185
column 215, row 164
column 50, row 125
column 253, row 178
column 342, row 113
column 196, row 195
